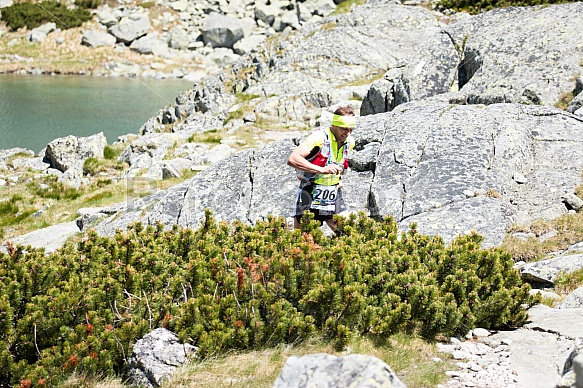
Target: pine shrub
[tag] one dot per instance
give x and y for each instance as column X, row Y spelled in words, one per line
column 234, row 286
column 32, row 15
column 475, row 7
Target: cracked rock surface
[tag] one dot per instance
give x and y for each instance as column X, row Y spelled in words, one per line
column 449, row 168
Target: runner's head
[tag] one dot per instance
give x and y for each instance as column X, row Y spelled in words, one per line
column 343, row 123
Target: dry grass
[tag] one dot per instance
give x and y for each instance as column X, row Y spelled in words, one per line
column 70, row 57
column 569, row 282
column 409, row 357
column 569, row 230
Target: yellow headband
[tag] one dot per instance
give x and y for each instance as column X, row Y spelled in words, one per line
column 344, row 121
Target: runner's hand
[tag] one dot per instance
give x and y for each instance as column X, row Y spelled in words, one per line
column 331, row 169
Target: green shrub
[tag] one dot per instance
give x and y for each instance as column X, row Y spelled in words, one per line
column 475, row 7
column 222, row 286
column 32, row 15
column 91, row 166
column 88, row 4
column 110, row 152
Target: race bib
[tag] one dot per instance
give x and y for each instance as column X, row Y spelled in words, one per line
column 324, row 198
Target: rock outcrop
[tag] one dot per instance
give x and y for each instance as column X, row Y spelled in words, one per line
column 448, row 168
column 324, row 370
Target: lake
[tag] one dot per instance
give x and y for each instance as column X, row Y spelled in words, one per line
column 37, row 109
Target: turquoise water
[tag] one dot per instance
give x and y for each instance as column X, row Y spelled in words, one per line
column 37, row 109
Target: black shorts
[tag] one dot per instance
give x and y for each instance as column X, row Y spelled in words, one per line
column 304, row 201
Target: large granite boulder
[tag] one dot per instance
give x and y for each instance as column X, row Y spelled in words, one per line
column 224, row 31
column 72, row 151
column 149, row 44
column 97, row 38
column 131, row 27
column 324, row 370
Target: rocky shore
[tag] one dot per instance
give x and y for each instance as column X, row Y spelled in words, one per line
column 160, row 39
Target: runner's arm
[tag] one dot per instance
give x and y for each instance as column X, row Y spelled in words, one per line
column 298, row 160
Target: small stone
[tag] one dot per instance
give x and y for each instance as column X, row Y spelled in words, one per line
column 479, row 332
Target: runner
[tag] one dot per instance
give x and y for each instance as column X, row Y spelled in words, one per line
column 321, row 159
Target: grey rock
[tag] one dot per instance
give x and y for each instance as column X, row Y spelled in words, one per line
column 12, row 152
column 320, row 7
column 546, row 271
column 273, row 185
column 576, row 104
column 174, row 168
column 578, row 85
column 324, row 370
column 384, row 95
column 365, row 159
column 223, row 56
column 156, row 356
column 288, row 19
column 505, row 61
column 131, row 28
column 267, row 13
column 573, row 201
column 179, row 38
column 224, row 31
column 67, row 152
column 86, row 221
column 35, row 163
column 219, row 152
column 149, row 44
column 179, row 5
column 248, row 43
column 356, row 192
column 573, row 300
column 108, row 17
column 530, row 368
column 50, row 238
column 551, row 320
column 73, row 176
column 429, row 156
column 5, row 3
column 97, row 38
column 40, row 33
column 154, row 145
column 303, row 81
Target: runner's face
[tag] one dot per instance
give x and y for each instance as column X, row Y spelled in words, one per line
column 341, row 134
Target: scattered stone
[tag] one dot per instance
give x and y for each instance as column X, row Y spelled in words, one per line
column 131, row 27
column 479, row 332
column 573, row 201
column 40, row 33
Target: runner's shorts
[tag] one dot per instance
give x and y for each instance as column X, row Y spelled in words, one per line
column 304, row 200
